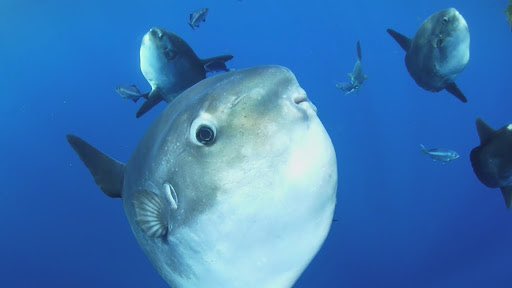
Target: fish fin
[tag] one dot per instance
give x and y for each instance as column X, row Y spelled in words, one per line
column 484, row 131
column 216, row 63
column 403, row 41
column 423, row 149
column 507, row 195
column 150, row 214
column 359, row 53
column 108, row 173
column 455, row 91
column 152, row 100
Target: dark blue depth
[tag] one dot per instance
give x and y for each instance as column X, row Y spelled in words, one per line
column 402, row 220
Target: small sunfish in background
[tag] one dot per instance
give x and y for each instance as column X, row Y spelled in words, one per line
column 492, row 159
column 170, row 66
column 197, row 17
column 439, row 154
column 131, row 93
column 357, row 77
column 438, row 52
column 509, row 13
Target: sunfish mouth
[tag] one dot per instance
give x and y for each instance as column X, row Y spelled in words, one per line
column 156, row 32
column 301, row 99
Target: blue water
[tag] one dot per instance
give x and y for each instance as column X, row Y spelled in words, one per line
column 403, row 220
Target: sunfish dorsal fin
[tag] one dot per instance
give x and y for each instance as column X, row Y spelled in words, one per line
column 108, row 173
column 359, row 53
column 507, row 195
column 484, row 131
column 403, row 41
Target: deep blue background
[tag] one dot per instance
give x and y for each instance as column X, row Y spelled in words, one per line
column 403, row 220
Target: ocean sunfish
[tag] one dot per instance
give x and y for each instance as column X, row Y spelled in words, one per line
column 492, row 159
column 357, row 77
column 438, row 52
column 440, row 154
column 234, row 185
column 170, row 66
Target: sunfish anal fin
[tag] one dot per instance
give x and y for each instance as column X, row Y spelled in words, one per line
column 108, row 173
column 152, row 212
column 485, row 131
column 455, row 91
column 403, row 41
column 507, row 195
column 153, row 99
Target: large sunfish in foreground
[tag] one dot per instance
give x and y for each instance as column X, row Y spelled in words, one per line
column 438, row 52
column 234, row 185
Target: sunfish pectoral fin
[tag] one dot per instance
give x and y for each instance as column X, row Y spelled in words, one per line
column 484, row 131
column 216, row 63
column 152, row 211
column 403, row 41
column 108, row 173
column 152, row 100
column 507, row 195
column 455, row 91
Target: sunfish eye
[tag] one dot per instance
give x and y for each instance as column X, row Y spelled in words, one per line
column 205, row 135
column 445, row 20
column 169, row 54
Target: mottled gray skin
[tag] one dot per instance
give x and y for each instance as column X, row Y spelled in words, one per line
column 439, row 51
column 440, row 154
column 492, row 159
column 249, row 208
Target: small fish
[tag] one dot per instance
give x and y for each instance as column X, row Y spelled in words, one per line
column 131, row 92
column 439, row 154
column 357, row 77
column 509, row 14
column 197, row 17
